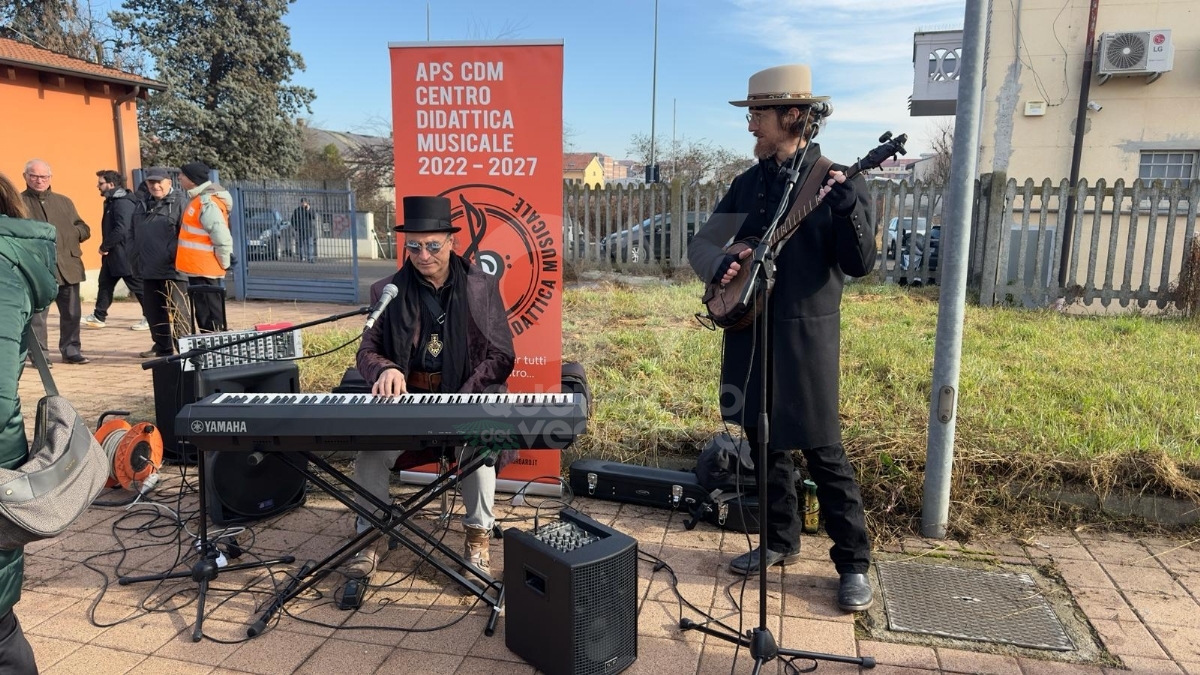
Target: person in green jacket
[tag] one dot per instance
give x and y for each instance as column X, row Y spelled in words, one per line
column 27, row 286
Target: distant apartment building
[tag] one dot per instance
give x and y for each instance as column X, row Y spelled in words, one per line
column 894, row 169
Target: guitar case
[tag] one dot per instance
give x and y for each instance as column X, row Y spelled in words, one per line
column 676, row 490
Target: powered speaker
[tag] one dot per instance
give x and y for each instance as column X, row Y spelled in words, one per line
column 239, row 487
column 570, row 590
column 175, row 387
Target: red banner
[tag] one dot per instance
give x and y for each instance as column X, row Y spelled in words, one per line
column 481, row 124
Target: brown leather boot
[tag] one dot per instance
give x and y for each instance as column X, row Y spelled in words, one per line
column 478, row 543
column 363, row 564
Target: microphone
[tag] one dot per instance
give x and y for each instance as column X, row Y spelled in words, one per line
column 821, row 108
column 389, row 294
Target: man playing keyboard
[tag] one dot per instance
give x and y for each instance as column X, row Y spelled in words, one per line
column 446, row 331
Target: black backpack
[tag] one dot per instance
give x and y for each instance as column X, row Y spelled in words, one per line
column 725, row 470
column 727, row 464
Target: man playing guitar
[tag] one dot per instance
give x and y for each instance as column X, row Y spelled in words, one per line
column 836, row 239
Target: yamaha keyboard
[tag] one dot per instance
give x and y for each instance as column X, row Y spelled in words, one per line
column 328, row 422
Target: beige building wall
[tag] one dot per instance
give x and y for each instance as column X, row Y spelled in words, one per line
column 1135, row 116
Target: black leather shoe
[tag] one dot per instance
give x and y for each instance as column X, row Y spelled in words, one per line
column 854, row 593
column 747, row 563
column 77, row 360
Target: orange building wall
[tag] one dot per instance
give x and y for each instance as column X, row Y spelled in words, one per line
column 72, row 129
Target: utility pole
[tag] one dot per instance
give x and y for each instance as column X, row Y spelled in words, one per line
column 947, row 357
column 674, row 146
column 652, row 170
column 427, row 22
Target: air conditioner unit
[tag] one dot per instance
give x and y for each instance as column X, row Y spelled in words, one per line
column 1130, row 53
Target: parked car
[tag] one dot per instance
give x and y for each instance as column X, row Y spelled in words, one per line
column 649, row 240
column 930, row 245
column 893, row 226
column 268, row 234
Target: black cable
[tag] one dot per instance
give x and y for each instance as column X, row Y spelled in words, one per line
column 660, row 564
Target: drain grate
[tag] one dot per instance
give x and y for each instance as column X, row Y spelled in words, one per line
column 938, row 599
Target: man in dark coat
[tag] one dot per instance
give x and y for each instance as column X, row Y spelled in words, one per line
column 115, row 232
column 157, row 216
column 304, row 227
column 836, row 239
column 446, row 331
column 41, row 203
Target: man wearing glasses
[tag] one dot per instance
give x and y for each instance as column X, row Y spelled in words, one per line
column 446, row 331
column 836, row 240
column 48, row 206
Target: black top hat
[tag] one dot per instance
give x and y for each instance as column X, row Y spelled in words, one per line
column 426, row 214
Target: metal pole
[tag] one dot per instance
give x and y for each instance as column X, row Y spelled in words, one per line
column 427, row 22
column 935, row 504
column 1077, row 150
column 653, row 90
column 674, row 146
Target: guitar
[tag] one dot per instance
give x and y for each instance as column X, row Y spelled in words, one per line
column 735, row 305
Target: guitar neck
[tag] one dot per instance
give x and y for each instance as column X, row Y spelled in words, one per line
column 801, row 211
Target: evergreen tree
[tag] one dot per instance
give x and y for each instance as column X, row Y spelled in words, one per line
column 230, row 102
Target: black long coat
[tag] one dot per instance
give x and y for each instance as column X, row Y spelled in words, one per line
column 155, row 235
column 804, row 311
column 116, row 229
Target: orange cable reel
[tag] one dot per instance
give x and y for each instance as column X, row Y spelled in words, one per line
column 135, row 452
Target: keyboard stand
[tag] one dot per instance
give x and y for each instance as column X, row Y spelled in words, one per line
column 396, row 523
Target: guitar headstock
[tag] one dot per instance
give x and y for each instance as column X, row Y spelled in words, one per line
column 890, row 147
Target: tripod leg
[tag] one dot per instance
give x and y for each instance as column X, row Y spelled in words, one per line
column 198, row 630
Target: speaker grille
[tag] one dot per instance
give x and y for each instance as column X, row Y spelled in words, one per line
column 605, row 601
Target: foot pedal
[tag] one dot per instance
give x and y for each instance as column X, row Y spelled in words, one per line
column 352, row 594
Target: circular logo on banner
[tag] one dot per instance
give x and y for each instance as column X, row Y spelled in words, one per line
column 509, row 238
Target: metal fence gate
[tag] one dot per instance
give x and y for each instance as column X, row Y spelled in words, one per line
column 294, row 243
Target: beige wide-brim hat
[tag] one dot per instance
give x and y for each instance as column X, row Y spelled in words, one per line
column 780, row 85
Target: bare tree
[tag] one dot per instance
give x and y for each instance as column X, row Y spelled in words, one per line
column 569, row 134
column 68, row 27
column 508, row 30
column 689, row 161
column 937, row 177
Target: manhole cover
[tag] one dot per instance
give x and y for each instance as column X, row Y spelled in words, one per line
column 970, row 605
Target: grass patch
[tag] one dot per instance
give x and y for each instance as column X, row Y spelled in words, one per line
column 1046, row 400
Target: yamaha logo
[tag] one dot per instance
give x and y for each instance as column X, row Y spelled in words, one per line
column 218, row 426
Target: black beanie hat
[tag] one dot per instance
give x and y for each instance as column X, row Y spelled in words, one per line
column 197, row 172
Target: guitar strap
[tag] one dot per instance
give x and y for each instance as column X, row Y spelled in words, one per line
column 808, row 192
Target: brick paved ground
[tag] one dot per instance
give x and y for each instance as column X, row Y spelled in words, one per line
column 1138, row 594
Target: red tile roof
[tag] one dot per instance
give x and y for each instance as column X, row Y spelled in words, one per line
column 577, row 161
column 14, row 53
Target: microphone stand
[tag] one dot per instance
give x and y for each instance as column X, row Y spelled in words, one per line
column 206, row 568
column 763, row 647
